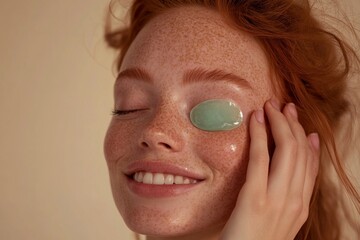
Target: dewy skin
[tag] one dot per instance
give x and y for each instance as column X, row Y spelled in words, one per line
column 216, row 115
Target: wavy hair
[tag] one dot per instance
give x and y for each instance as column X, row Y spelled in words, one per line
column 310, row 67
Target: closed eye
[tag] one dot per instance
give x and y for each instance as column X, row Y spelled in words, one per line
column 124, row 112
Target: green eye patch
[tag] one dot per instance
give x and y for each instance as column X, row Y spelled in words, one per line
column 216, row 115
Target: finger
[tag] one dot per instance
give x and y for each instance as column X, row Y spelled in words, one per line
column 295, row 203
column 303, row 153
column 312, row 167
column 282, row 163
column 258, row 166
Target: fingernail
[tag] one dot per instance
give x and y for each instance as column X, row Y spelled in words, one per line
column 293, row 110
column 275, row 103
column 259, row 115
column 314, row 138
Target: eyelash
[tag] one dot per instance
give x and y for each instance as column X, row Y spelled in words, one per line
column 123, row 112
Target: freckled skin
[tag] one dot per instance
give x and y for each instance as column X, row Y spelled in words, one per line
column 172, row 43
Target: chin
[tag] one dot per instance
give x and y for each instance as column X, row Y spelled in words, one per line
column 162, row 220
column 167, row 229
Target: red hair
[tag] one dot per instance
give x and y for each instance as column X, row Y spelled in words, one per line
column 310, row 68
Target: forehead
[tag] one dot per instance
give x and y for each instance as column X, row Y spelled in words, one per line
column 187, row 37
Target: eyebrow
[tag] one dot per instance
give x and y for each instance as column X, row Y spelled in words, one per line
column 136, row 74
column 191, row 76
column 202, row 75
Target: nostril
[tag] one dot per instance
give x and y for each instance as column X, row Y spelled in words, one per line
column 144, row 144
column 167, row 145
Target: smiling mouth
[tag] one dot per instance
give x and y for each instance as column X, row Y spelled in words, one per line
column 161, row 179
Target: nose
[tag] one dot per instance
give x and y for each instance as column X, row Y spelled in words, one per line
column 165, row 131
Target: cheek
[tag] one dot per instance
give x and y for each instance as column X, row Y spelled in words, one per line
column 115, row 149
column 115, row 143
column 226, row 153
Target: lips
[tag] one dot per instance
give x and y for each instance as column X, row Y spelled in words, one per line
column 153, row 179
column 154, row 167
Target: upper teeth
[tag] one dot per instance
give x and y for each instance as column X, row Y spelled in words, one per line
column 161, row 178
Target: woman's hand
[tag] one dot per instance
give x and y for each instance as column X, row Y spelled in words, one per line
column 273, row 203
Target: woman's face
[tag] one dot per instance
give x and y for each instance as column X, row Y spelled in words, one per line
column 165, row 73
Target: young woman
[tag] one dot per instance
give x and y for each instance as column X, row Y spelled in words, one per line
column 224, row 121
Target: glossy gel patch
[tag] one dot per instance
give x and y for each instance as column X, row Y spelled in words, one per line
column 216, row 115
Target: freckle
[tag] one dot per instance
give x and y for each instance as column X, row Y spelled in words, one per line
column 223, row 153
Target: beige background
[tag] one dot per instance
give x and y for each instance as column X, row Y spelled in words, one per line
column 55, row 103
